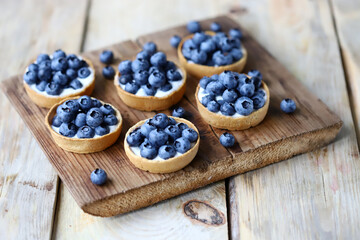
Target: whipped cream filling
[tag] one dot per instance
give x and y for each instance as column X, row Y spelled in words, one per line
column 112, row 129
column 159, row 93
column 202, row 93
column 67, row 91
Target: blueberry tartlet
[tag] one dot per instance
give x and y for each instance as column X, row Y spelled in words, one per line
column 84, row 124
column 232, row 100
column 208, row 53
column 53, row 78
column 150, row 82
column 162, row 144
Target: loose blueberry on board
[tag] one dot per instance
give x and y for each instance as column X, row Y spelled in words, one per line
column 235, row 33
column 215, row 27
column 106, row 57
column 108, row 72
column 175, row 40
column 150, row 47
column 98, row 176
column 193, row 27
column 227, row 139
column 178, row 112
column 288, row 105
column 167, row 151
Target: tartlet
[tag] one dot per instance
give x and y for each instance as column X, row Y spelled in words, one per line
column 162, row 166
column 200, row 71
column 83, row 145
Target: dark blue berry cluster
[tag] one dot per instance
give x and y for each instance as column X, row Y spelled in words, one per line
column 84, row 117
column 56, row 73
column 107, row 57
column 162, row 136
column 150, row 71
column 232, row 92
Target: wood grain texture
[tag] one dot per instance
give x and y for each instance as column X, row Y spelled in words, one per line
column 312, row 126
column 28, row 182
column 313, row 195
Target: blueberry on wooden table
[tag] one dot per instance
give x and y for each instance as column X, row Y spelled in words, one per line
column 175, row 40
column 178, row 112
column 108, row 72
column 98, row 176
column 106, row 57
column 227, row 139
column 288, row 105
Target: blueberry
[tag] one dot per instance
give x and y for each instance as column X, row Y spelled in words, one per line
column 190, row 134
column 146, row 128
column 235, row 33
column 198, row 56
column 172, row 121
column 258, row 101
column 221, row 59
column 186, row 52
column 107, row 109
column 41, row 86
column 123, row 79
column 157, row 79
column 215, row 87
column 59, row 64
column 56, row 122
column 199, row 37
column 187, row 48
column 160, row 120
column 106, row 57
column 169, row 65
column 85, row 132
column 53, row 88
column 110, row 120
column 33, row 67
column 241, row 78
column 75, row 84
column 213, row 106
column 182, row 126
column 247, row 89
column 95, row 103
column 98, row 176
column 135, row 138
column 204, row 82
column 108, row 72
column 225, row 44
column 182, row 145
column 30, row 77
column 173, row 131
column 178, row 112
column 60, row 78
column 230, row 95
column 158, row 59
column 45, row 64
column 227, row 78
column 80, row 120
column 71, row 73
column 143, row 55
column 42, row 57
column 288, row 105
column 141, row 77
column 255, row 73
column 83, row 63
column 215, row 77
column 166, row 87
column 206, row 99
column 167, row 151
column 59, row 53
column 83, row 72
column 227, row 139
column 44, row 74
column 193, row 27
column 102, row 130
column 256, row 81
column 149, row 90
column 227, row 109
column 154, row 69
column 71, row 56
column 173, row 75
column 140, row 64
column 131, row 87
column 85, row 103
column 175, row 40
column 65, row 113
column 216, row 27
column 148, row 151
column 74, row 63
column 150, row 47
column 244, row 106
column 125, row 67
column 73, row 105
column 94, row 117
column 260, row 92
column 208, row 46
column 67, row 129
column 158, row 137
column 218, row 36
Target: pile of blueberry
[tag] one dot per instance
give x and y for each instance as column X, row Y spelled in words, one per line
column 84, row 117
column 162, row 136
column 56, row 73
column 217, row 50
column 232, row 92
column 150, row 71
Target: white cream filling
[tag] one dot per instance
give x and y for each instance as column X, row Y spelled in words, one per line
column 112, row 129
column 159, row 93
column 67, row 91
column 202, row 93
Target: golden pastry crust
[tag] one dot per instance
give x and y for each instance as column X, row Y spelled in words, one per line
column 200, row 71
column 48, row 101
column 162, row 166
column 83, row 145
column 151, row 103
column 230, row 123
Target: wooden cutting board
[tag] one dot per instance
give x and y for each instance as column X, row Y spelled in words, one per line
column 278, row 137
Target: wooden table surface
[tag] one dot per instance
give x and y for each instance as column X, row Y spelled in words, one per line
column 311, row 196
